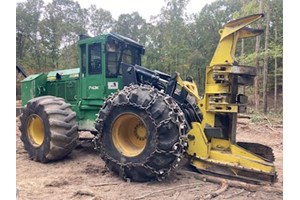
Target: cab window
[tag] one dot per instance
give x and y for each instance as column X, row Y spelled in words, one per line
column 130, row 55
column 83, row 58
column 95, row 64
column 113, row 53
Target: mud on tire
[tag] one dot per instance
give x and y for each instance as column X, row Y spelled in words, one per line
column 48, row 128
column 141, row 133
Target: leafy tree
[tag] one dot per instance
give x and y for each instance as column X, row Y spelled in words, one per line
column 46, row 36
column 63, row 21
column 167, row 44
column 132, row 26
column 100, row 20
column 28, row 50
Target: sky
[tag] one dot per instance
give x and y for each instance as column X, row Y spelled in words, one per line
column 145, row 8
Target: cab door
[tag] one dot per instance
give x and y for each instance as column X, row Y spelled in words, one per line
column 92, row 71
column 113, row 74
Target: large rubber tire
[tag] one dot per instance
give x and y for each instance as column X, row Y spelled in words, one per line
column 48, row 128
column 141, row 133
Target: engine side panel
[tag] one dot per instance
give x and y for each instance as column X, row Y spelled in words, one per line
column 33, row 86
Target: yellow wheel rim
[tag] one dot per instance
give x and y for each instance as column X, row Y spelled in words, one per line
column 129, row 134
column 35, row 130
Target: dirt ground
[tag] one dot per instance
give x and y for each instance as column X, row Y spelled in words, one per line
column 83, row 175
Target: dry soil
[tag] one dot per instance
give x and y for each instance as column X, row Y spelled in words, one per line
column 83, row 175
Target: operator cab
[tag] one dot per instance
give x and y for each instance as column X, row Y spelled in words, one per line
column 100, row 60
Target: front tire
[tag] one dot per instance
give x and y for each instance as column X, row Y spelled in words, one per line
column 141, row 133
column 48, row 128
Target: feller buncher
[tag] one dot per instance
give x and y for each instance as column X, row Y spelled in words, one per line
column 146, row 121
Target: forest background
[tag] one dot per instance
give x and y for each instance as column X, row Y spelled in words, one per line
column 46, row 37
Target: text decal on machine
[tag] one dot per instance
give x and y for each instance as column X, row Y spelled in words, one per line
column 94, row 87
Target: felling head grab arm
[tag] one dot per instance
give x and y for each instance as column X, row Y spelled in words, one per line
column 229, row 35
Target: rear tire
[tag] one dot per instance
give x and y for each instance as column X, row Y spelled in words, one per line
column 48, row 128
column 141, row 133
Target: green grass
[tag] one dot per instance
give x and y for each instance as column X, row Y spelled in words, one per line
column 269, row 118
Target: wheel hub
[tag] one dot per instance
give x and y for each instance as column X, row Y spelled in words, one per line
column 35, row 130
column 140, row 132
column 129, row 134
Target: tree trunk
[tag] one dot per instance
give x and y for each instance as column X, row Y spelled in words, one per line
column 256, row 80
column 266, row 59
column 275, row 73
